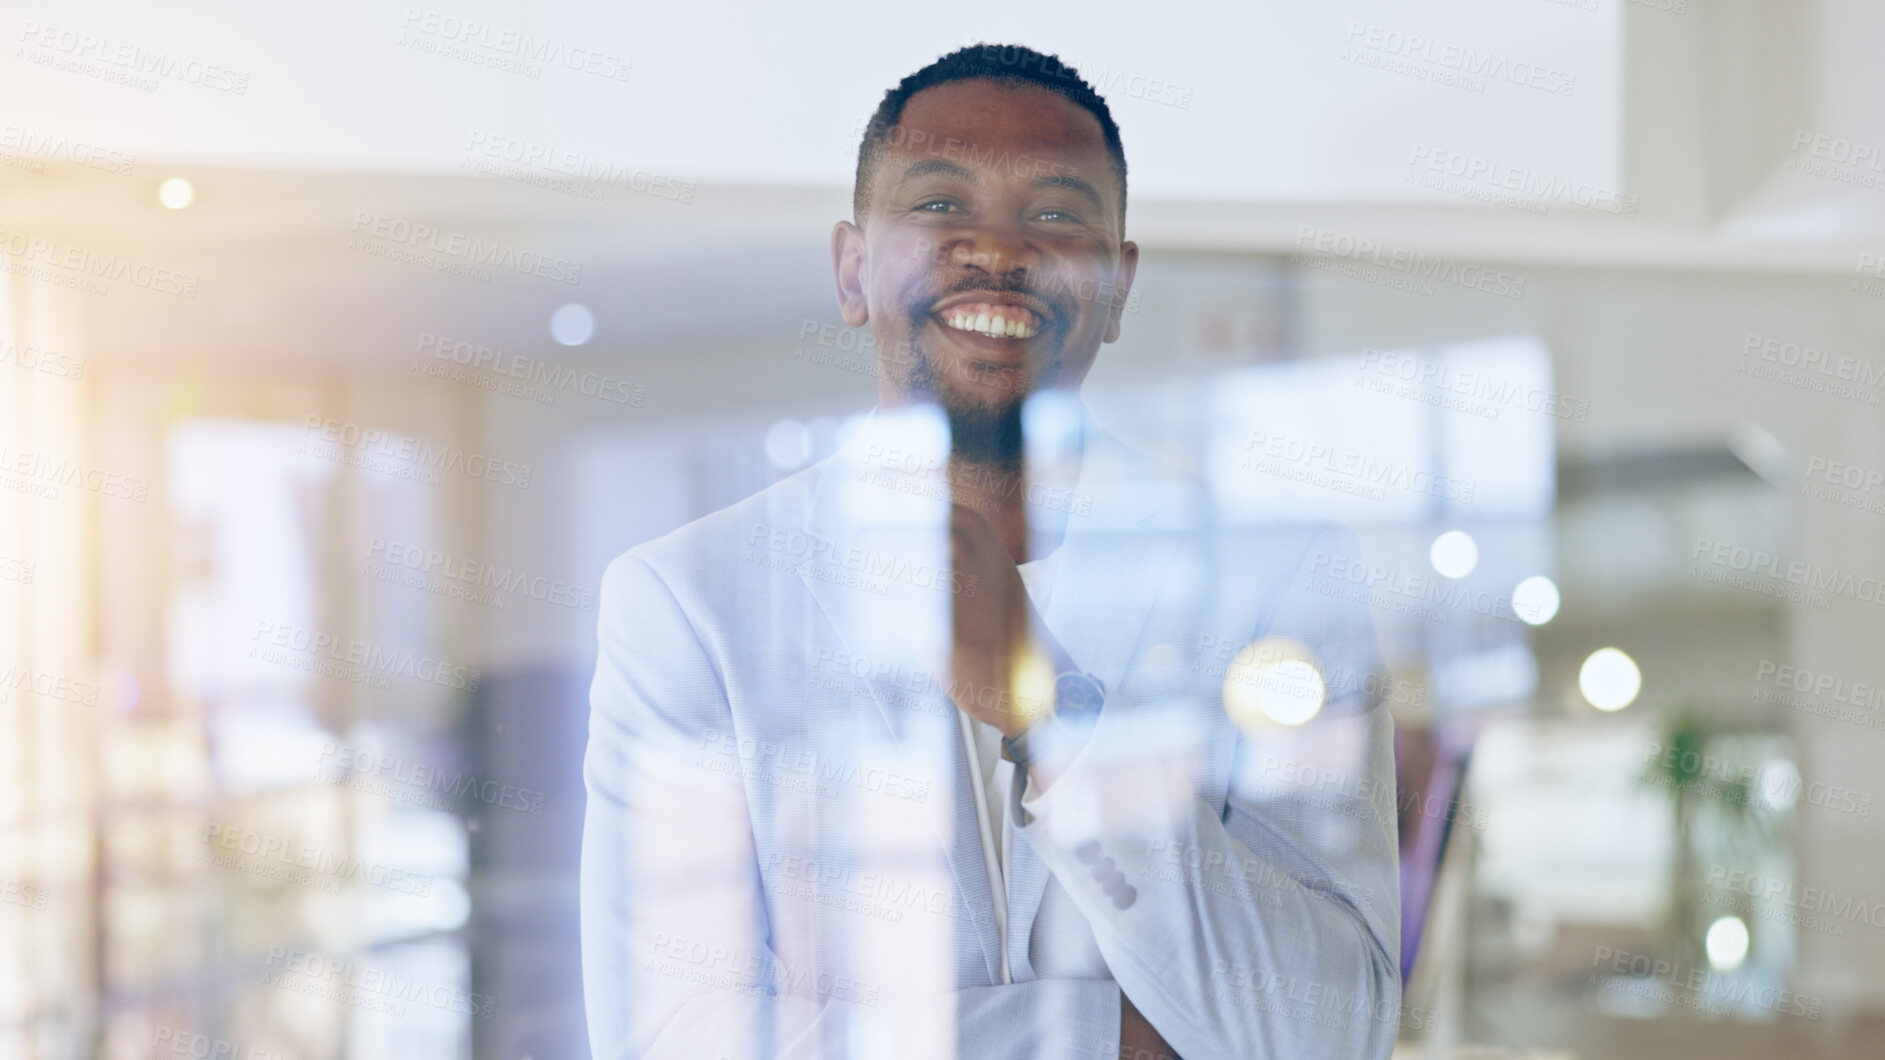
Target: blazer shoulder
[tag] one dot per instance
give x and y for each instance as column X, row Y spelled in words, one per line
column 706, row 548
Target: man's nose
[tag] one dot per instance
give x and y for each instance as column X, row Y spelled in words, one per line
column 995, row 249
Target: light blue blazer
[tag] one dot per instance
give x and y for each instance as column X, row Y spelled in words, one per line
column 781, row 855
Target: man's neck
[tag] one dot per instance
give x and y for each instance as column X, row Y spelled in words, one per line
column 999, row 491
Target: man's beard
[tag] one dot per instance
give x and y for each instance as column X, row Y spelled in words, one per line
column 979, row 432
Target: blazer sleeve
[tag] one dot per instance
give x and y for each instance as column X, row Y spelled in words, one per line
column 675, row 934
column 1271, row 928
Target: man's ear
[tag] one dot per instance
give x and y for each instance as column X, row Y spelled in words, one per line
column 847, row 268
column 1122, row 286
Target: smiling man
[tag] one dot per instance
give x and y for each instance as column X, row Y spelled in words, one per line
column 966, row 741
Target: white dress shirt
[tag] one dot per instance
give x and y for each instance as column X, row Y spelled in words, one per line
column 1062, row 946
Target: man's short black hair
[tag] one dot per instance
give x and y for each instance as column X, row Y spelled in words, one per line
column 1009, row 64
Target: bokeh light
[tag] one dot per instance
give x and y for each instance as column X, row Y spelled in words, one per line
column 1609, row 679
column 1273, row 681
column 572, row 324
column 1727, row 943
column 1454, row 554
column 176, row 193
column 1535, row 600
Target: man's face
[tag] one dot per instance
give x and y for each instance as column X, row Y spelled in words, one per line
column 991, row 261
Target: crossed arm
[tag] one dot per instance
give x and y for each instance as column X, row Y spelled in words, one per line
column 1282, row 941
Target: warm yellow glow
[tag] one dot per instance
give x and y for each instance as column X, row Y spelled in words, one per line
column 176, row 193
column 1273, row 681
column 1033, row 684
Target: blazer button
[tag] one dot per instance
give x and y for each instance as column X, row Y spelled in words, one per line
column 1087, row 853
column 1123, row 899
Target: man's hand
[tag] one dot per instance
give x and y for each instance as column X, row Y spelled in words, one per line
column 1005, row 660
column 1137, row 1039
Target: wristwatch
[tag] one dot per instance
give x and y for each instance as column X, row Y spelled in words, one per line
column 1078, row 698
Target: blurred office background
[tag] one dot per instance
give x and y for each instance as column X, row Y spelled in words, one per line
column 342, row 346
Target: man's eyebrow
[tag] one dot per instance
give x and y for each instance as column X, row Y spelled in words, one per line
column 1071, row 183
column 938, row 167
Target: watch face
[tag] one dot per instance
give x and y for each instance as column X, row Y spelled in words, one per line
column 1076, row 694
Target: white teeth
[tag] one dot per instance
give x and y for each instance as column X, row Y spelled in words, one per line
column 994, row 325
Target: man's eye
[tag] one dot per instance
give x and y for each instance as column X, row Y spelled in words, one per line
column 937, row 206
column 1055, row 215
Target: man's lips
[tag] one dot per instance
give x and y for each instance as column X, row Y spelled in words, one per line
column 995, row 320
